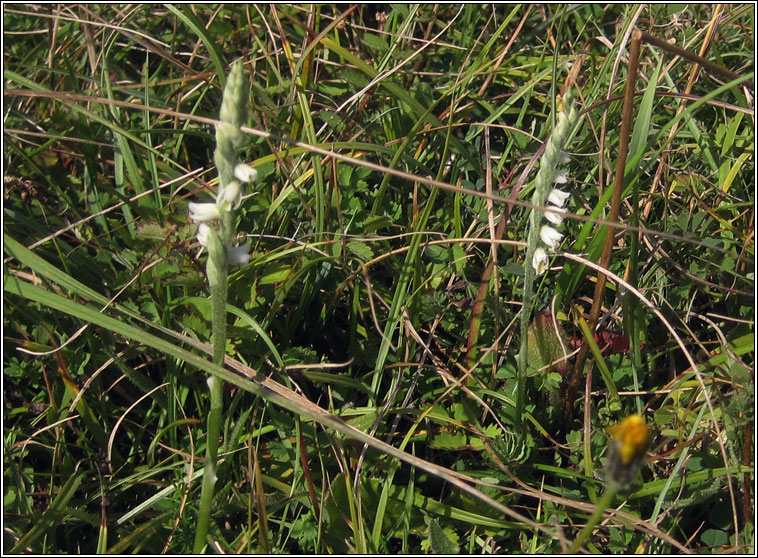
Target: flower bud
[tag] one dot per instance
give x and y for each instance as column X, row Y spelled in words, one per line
column 234, row 103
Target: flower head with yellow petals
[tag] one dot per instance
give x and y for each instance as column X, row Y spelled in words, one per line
column 628, row 444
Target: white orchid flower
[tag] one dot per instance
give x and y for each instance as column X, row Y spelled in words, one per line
column 243, row 173
column 203, row 212
column 555, row 218
column 539, row 261
column 558, row 197
column 238, row 255
column 560, row 176
column 230, row 196
column 550, row 236
column 203, row 231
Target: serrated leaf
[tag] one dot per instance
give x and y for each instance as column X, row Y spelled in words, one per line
column 439, row 541
column 363, row 251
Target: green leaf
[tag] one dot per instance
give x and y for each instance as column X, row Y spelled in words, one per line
column 448, row 441
column 714, row 537
column 642, row 122
column 275, row 272
column 439, row 541
column 436, row 253
column 546, row 345
column 375, row 42
column 360, row 249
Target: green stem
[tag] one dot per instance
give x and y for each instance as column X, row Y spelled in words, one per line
column 217, row 276
column 597, row 515
column 211, row 462
column 526, row 312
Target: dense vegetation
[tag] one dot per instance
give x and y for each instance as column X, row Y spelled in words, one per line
column 361, row 294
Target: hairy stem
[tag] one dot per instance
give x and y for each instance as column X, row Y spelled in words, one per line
column 217, row 279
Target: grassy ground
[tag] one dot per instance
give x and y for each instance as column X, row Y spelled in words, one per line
column 360, row 295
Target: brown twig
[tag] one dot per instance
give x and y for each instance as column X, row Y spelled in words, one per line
column 605, row 259
column 637, row 38
column 307, row 470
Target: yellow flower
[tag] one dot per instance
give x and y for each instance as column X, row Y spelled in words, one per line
column 629, row 441
column 632, row 435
